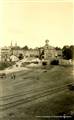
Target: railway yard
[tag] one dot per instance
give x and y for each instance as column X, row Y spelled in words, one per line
column 37, row 92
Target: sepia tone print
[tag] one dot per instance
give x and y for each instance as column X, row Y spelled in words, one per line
column 36, row 60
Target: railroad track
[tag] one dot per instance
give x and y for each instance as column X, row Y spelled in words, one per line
column 29, row 97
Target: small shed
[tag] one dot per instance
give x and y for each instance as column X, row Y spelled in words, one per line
column 13, row 58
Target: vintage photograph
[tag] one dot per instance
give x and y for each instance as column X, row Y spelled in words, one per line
column 36, row 60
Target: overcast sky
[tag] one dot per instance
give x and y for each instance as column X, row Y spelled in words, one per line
column 32, row 22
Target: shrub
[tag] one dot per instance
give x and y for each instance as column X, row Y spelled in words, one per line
column 35, row 62
column 44, row 63
column 71, row 87
column 24, row 64
column 4, row 65
column 21, row 56
column 55, row 62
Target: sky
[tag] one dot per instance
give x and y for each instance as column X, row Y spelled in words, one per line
column 29, row 22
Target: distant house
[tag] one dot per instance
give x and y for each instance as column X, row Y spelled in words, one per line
column 5, row 53
column 16, row 50
column 13, row 58
column 25, row 53
column 31, row 53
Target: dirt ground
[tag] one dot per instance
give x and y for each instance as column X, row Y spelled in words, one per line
column 41, row 91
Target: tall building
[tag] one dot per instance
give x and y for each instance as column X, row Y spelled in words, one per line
column 49, row 51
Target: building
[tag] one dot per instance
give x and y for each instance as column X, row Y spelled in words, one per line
column 0, row 54
column 48, row 52
column 5, row 53
column 26, row 53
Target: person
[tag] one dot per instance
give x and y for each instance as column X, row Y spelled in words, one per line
column 13, row 76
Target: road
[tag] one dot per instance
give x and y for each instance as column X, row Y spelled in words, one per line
column 33, row 87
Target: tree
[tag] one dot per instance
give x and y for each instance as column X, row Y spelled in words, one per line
column 57, row 48
column 20, row 56
column 41, row 54
column 72, row 51
column 68, row 52
column 25, row 47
